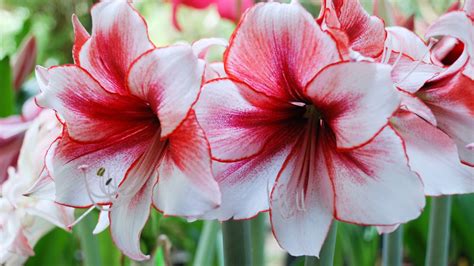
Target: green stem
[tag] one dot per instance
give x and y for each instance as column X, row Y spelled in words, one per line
column 237, row 243
column 326, row 257
column 207, row 244
column 258, row 230
column 89, row 243
column 392, row 253
column 438, row 237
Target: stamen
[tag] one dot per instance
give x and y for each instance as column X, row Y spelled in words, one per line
column 80, row 217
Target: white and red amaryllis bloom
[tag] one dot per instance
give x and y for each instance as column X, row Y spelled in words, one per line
column 24, row 220
column 294, row 121
column 130, row 138
column 12, row 132
column 414, row 122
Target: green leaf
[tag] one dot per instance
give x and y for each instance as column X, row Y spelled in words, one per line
column 7, row 95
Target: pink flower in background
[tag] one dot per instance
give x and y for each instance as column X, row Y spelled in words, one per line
column 12, row 132
column 24, row 220
column 130, row 138
column 227, row 8
column 317, row 145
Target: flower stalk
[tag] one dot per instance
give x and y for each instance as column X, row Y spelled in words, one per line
column 438, row 236
column 258, row 230
column 237, row 243
column 393, row 248
column 89, row 243
column 207, row 244
column 326, row 257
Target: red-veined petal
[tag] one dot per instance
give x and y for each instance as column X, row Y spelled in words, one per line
column 433, row 155
column 452, row 102
column 185, row 184
column 90, row 112
column 231, row 114
column 356, row 99
column 373, row 184
column 119, row 36
column 169, row 79
column 277, row 48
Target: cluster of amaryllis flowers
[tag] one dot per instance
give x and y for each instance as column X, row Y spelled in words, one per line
column 312, row 119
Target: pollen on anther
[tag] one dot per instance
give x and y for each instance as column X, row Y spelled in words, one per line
column 101, row 171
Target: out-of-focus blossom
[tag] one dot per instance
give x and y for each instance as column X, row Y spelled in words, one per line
column 130, row 138
column 317, row 145
column 12, row 131
column 353, row 27
column 229, row 9
column 24, row 220
column 24, row 62
column 399, row 19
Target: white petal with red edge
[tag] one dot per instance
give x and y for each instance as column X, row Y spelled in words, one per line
column 66, row 158
column 186, row 185
column 231, row 114
column 170, row 80
column 410, row 75
column 119, row 36
column 453, row 106
column 407, row 42
column 356, row 99
column 86, row 107
column 277, row 48
column 246, row 185
column 201, row 47
column 301, row 209
column 433, row 155
column 373, row 184
column 129, row 216
column 414, row 105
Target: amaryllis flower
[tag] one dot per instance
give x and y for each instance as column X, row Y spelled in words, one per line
column 24, row 220
column 303, row 134
column 228, row 9
column 12, row 132
column 417, row 122
column 130, row 138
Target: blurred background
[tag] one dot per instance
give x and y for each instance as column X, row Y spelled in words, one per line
column 172, row 239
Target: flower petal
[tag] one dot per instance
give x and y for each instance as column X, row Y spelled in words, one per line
column 302, row 200
column 231, row 114
column 456, row 24
column 410, row 75
column 452, row 102
column 86, row 107
column 433, row 155
column 366, row 33
column 404, row 41
column 119, row 36
column 356, row 99
column 387, row 229
column 186, row 185
column 288, row 45
column 414, row 105
column 169, row 79
column 103, row 223
column 128, row 217
column 80, row 37
column 373, row 184
column 246, row 185
column 72, row 164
